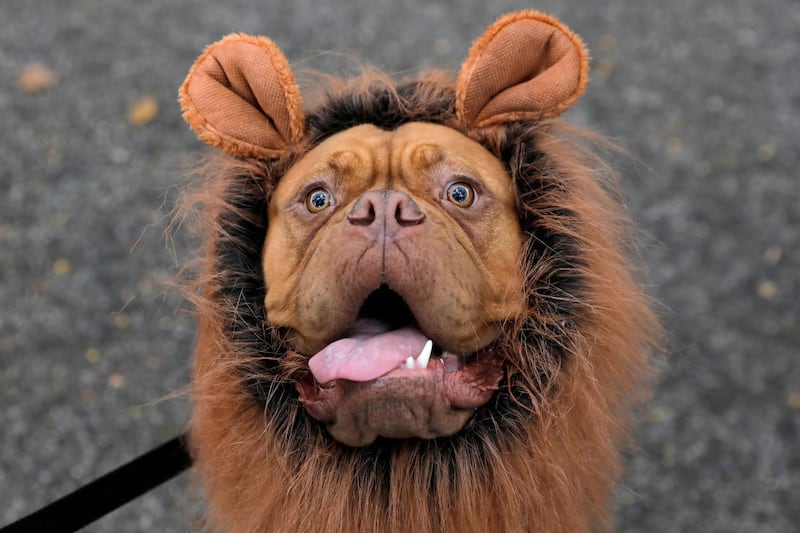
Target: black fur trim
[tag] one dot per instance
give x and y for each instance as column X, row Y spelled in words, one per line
column 386, row 108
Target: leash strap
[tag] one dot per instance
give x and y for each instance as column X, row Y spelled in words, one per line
column 106, row 493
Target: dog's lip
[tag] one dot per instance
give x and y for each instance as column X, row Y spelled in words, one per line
column 386, row 377
column 448, row 362
column 441, row 400
column 473, row 367
column 373, row 348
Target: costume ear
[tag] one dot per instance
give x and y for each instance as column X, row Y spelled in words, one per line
column 526, row 66
column 241, row 96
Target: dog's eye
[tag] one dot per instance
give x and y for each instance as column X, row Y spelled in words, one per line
column 318, row 199
column 461, row 194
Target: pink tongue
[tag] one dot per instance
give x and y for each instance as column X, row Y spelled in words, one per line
column 371, row 352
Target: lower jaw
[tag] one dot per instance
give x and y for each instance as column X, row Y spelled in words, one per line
column 404, row 403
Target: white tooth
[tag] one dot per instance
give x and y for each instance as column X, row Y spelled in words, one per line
column 410, row 362
column 425, row 355
column 450, row 362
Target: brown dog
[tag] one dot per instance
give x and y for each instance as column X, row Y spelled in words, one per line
column 416, row 313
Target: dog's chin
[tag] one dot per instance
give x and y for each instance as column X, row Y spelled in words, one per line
column 386, row 378
column 430, row 402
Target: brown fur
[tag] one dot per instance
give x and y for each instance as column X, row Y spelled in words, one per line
column 573, row 361
column 543, row 453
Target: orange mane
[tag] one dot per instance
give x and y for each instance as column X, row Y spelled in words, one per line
column 543, row 454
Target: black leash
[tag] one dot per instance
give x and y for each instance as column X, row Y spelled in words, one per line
column 106, row 493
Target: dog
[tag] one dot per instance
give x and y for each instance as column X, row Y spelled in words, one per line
column 416, row 310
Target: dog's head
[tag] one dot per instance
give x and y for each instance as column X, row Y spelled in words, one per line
column 392, row 262
column 394, row 255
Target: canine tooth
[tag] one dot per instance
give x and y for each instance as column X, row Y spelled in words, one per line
column 450, row 361
column 410, row 362
column 425, row 355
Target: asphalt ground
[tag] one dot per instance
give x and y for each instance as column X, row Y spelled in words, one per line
column 93, row 344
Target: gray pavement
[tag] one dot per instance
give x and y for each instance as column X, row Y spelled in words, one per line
column 704, row 95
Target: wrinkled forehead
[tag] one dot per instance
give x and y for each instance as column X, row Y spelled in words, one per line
column 404, row 157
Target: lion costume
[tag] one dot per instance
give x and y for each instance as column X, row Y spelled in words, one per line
column 416, row 310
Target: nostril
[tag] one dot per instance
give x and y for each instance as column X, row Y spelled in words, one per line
column 408, row 215
column 363, row 212
column 390, row 208
column 407, row 212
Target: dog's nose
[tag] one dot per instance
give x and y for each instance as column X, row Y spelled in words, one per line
column 389, row 209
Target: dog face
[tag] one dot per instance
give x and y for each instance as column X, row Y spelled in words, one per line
column 380, row 241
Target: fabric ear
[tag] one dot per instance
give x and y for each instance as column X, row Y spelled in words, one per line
column 526, row 66
column 241, row 96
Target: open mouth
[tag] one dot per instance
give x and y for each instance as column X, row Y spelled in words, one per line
column 384, row 337
column 387, row 378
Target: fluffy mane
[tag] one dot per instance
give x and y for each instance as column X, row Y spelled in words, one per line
column 541, row 454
